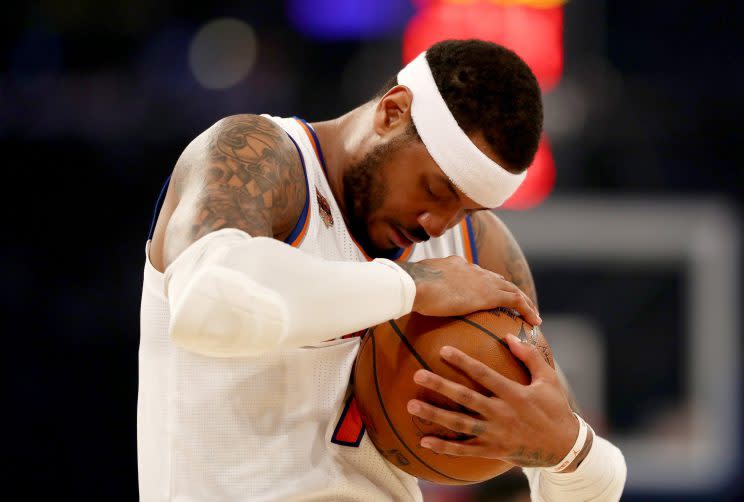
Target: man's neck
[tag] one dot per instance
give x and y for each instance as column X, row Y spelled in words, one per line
column 341, row 140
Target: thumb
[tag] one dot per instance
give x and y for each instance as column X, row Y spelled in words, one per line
column 529, row 355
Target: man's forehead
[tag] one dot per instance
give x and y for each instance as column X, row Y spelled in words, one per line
column 479, row 140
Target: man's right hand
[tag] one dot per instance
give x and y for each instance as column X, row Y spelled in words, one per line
column 452, row 286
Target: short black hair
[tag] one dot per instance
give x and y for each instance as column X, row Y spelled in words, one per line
column 489, row 88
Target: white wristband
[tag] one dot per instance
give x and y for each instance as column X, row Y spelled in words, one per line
column 575, row 449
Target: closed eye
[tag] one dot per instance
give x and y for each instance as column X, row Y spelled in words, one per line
column 430, row 192
column 470, row 212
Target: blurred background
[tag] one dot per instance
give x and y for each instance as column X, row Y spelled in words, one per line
column 630, row 217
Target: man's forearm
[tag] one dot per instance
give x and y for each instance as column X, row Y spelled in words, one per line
column 233, row 295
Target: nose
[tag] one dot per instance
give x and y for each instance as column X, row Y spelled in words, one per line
column 436, row 224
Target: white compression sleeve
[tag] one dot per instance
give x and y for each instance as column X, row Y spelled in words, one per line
column 233, row 295
column 600, row 477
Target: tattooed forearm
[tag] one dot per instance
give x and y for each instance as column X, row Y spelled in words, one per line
column 243, row 173
column 532, row 458
column 421, row 272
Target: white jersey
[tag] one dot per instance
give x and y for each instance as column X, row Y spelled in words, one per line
column 282, row 427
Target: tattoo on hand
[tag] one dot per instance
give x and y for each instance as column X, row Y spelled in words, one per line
column 421, row 272
column 520, row 274
column 478, row 429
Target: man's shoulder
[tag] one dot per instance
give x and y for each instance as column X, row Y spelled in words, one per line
column 499, row 251
column 487, row 222
column 260, row 133
column 242, row 145
column 243, row 172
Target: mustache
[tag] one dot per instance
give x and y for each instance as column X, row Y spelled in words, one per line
column 418, row 232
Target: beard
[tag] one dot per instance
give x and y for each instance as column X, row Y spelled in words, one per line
column 365, row 191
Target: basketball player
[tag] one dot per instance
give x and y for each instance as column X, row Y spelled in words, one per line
column 277, row 241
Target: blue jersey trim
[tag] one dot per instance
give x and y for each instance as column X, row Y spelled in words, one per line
column 300, row 225
column 399, row 252
column 471, row 234
column 158, row 205
column 317, row 145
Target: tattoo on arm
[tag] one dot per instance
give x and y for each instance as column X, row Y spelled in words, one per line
column 519, row 272
column 494, row 239
column 253, row 179
column 532, row 458
column 476, row 220
column 250, row 178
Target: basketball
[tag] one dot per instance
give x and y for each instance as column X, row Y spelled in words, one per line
column 392, row 352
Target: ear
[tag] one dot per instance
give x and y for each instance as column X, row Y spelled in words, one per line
column 393, row 111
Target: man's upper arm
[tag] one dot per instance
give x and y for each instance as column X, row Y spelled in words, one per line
column 244, row 172
column 499, row 252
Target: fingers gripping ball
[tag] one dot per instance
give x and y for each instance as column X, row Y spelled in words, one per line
column 383, row 378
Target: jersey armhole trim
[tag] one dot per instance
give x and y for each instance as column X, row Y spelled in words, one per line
column 158, row 205
column 468, row 241
column 299, row 231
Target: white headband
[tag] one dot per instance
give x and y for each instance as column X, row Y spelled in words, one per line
column 479, row 177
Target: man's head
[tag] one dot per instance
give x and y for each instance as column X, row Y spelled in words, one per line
column 397, row 188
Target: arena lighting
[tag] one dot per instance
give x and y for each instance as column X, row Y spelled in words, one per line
column 222, row 53
column 539, row 181
column 348, row 19
column 536, row 34
column 531, row 28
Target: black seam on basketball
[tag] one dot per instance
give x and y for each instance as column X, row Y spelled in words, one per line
column 408, row 344
column 495, row 337
column 387, row 418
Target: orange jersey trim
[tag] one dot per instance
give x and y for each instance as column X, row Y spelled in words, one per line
column 468, row 241
column 301, row 236
column 309, row 134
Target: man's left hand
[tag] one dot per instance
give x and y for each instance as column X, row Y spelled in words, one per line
column 525, row 425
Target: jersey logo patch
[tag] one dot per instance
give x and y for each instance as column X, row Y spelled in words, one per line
column 325, row 209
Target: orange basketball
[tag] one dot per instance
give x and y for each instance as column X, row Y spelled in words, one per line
column 383, row 384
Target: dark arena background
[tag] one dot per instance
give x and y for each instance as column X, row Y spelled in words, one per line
column 631, row 217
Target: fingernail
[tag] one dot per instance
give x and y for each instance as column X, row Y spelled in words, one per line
column 513, row 338
column 425, row 443
column 413, row 407
column 447, row 351
column 420, row 376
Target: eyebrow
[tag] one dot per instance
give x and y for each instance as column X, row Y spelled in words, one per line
column 454, row 192
column 450, row 186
